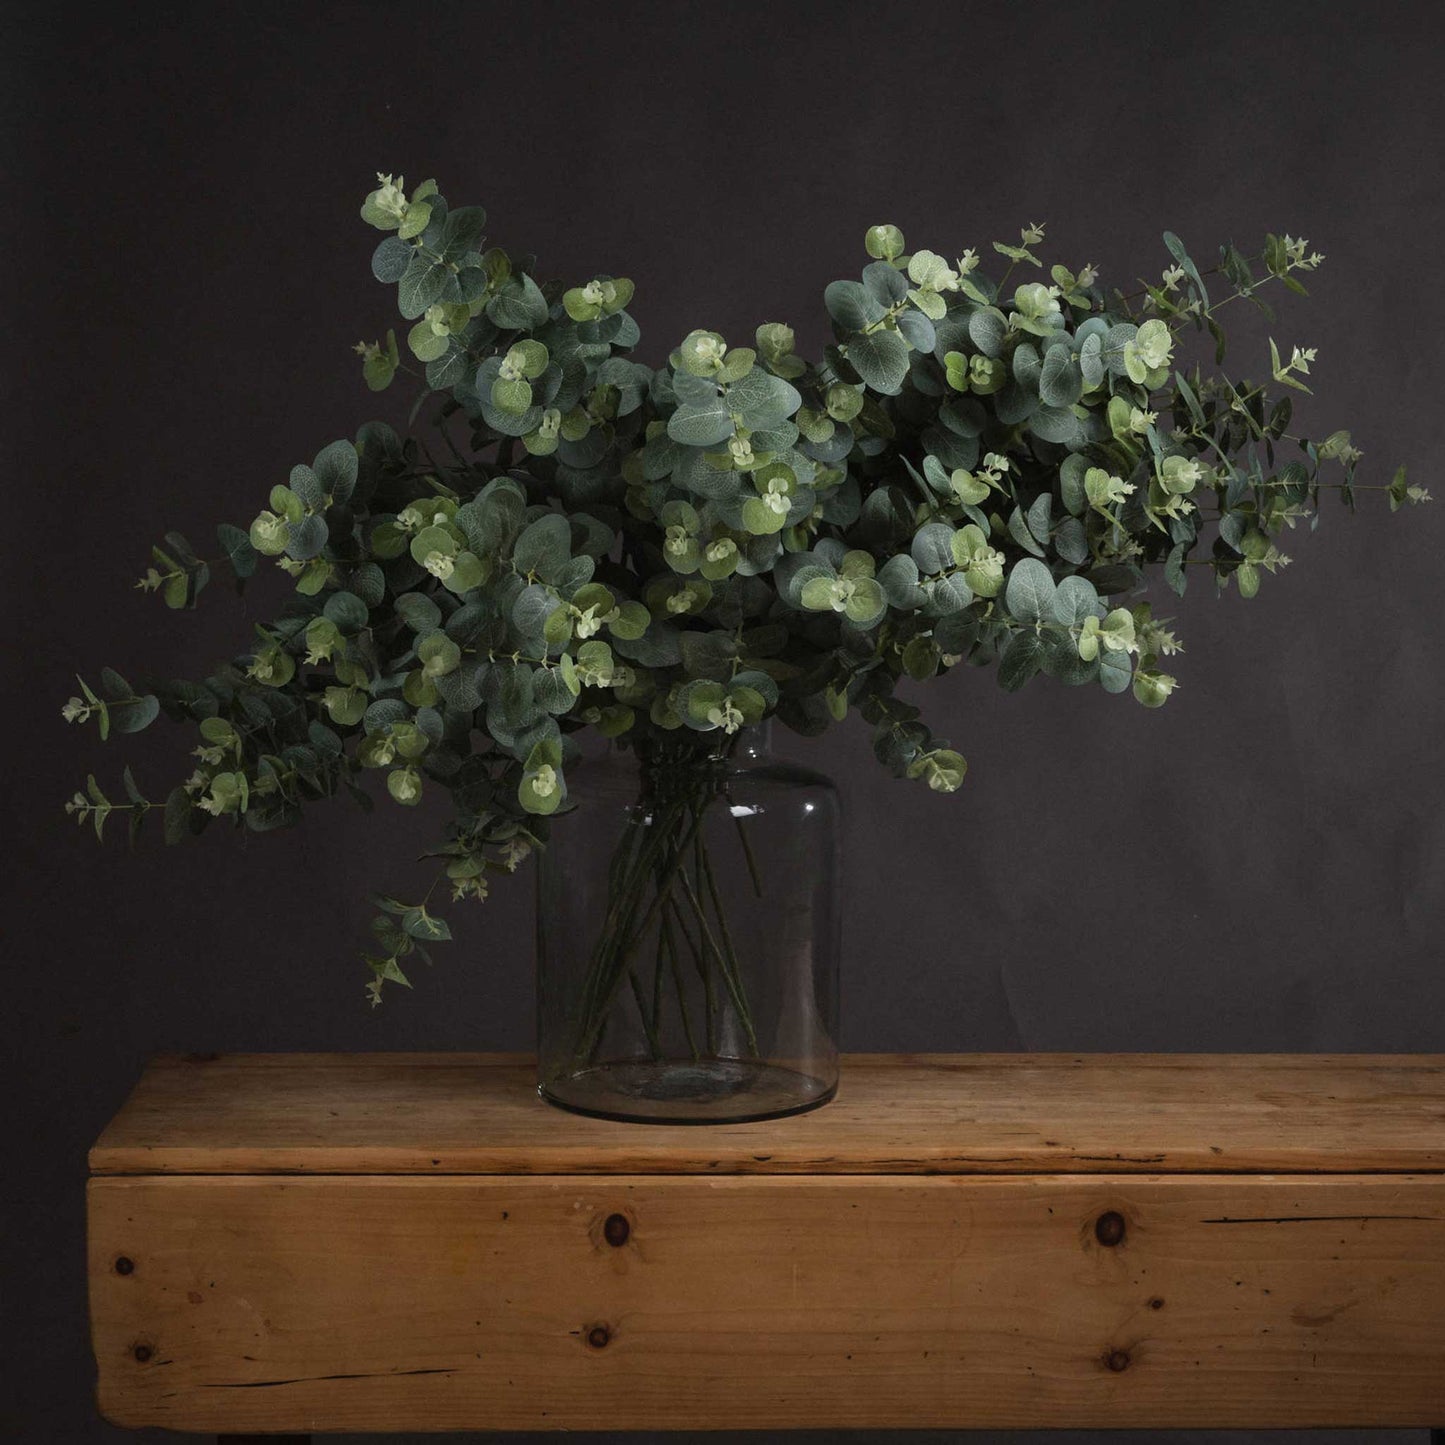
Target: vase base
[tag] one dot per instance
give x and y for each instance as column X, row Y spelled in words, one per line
column 683, row 1091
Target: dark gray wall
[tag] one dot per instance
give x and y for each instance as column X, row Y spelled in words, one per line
column 1257, row 867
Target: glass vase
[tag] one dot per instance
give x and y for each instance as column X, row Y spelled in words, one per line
column 687, row 935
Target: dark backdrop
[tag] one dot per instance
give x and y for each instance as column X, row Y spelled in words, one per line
column 1257, row 867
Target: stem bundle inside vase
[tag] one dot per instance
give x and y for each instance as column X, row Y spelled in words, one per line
column 666, row 947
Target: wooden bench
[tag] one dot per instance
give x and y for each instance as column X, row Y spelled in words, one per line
column 386, row 1242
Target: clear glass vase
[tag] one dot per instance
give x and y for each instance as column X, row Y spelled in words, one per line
column 687, row 935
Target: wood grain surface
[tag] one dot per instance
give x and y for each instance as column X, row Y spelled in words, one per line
column 267, row 1303
column 958, row 1114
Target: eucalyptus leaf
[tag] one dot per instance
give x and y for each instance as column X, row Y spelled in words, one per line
column 704, row 425
column 1021, row 658
column 1029, row 594
column 988, row 330
column 852, row 305
column 1061, row 380
column 880, row 359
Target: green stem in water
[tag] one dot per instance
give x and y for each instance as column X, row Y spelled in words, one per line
column 628, row 939
column 657, row 974
column 625, row 872
column 734, row 991
column 704, row 972
column 734, row 974
column 664, row 934
column 649, row 1026
column 747, row 845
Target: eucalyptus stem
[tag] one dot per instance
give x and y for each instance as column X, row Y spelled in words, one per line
column 742, row 833
column 704, row 973
column 728, row 976
column 657, row 975
column 649, row 1026
column 735, row 975
column 664, row 933
column 626, row 859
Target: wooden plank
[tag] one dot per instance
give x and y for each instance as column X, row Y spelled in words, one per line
column 254, row 1304
column 986, row 1113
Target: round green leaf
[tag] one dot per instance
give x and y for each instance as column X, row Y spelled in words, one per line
column 1030, row 593
column 881, row 359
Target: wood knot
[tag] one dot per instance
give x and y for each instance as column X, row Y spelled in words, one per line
column 124, row 1265
column 616, row 1230
column 1117, row 1360
column 598, row 1336
column 1156, row 1303
column 1109, row 1228
column 142, row 1353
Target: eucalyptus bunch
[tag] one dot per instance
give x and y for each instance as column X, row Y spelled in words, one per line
column 991, row 463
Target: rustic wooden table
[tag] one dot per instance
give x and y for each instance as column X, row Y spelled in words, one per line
column 414, row 1242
